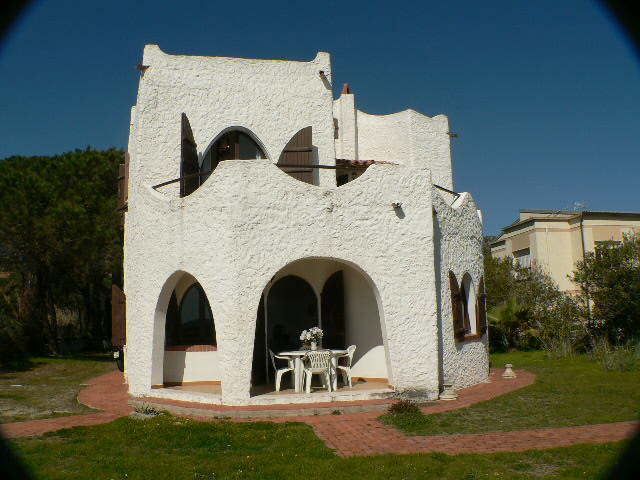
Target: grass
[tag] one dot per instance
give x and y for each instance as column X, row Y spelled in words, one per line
column 567, row 392
column 47, row 387
column 167, row 447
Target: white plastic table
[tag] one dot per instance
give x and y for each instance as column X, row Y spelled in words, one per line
column 297, row 366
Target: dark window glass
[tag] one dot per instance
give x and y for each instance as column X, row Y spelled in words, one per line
column 193, row 323
column 233, row 145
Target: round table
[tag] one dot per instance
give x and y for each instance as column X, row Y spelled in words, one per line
column 297, row 365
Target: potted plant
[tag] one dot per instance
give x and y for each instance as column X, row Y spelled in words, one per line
column 311, row 337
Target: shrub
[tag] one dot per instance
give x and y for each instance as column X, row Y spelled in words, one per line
column 620, row 358
column 404, row 407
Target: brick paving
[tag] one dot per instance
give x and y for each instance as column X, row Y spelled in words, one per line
column 360, row 433
column 107, row 392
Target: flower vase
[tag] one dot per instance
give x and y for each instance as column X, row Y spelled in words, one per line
column 314, row 346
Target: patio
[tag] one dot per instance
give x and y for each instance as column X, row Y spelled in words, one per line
column 266, row 394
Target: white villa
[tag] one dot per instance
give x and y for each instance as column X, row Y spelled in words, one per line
column 258, row 206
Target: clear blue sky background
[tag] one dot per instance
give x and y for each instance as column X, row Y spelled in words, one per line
column 545, row 94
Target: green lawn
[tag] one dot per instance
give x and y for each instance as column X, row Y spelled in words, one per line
column 167, row 447
column 567, row 392
column 47, row 387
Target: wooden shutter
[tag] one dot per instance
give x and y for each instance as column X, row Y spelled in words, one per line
column 123, row 188
column 299, row 153
column 456, row 312
column 481, row 309
column 332, row 309
column 189, row 165
column 118, row 317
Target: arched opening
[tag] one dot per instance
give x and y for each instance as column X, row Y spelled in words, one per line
column 348, row 311
column 190, row 321
column 232, row 145
column 190, row 344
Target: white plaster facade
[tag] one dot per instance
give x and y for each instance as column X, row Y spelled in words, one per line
column 250, row 224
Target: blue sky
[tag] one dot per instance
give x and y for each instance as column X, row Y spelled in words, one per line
column 544, row 95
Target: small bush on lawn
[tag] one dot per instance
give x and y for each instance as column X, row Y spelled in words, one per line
column 146, row 409
column 620, row 358
column 404, row 407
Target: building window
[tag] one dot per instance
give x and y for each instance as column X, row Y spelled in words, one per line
column 467, row 307
column 191, row 322
column 522, row 258
column 233, row 145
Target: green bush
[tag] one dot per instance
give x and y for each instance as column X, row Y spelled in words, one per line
column 404, row 407
column 620, row 358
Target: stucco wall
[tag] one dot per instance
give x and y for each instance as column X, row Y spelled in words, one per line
column 273, row 99
column 407, row 138
column 458, row 248
column 245, row 224
column 191, row 366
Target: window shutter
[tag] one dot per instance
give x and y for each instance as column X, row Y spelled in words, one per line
column 456, row 312
column 118, row 317
column 123, row 187
column 189, row 165
column 332, row 310
column 481, row 308
column 299, row 153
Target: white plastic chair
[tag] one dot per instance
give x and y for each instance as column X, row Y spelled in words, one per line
column 280, row 371
column 317, row 362
column 345, row 370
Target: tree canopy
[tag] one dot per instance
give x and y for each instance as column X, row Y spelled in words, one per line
column 610, row 278
column 60, row 239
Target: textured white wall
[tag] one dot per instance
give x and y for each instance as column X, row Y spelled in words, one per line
column 273, row 99
column 458, row 248
column 344, row 111
column 245, row 224
column 408, row 138
column 190, row 366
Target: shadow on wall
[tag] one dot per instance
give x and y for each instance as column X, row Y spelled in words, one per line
column 175, row 363
column 437, row 243
column 364, row 329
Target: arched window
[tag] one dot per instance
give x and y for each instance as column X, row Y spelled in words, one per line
column 191, row 322
column 465, row 308
column 233, row 145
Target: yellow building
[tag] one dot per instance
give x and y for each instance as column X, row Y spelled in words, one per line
column 557, row 239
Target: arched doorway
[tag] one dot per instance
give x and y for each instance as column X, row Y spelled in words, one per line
column 347, row 310
column 291, row 306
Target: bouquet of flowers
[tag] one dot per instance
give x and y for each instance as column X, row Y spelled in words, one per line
column 314, row 334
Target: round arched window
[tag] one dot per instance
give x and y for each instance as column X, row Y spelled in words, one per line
column 233, row 145
column 190, row 323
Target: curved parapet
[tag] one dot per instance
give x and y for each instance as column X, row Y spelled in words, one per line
column 407, row 137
